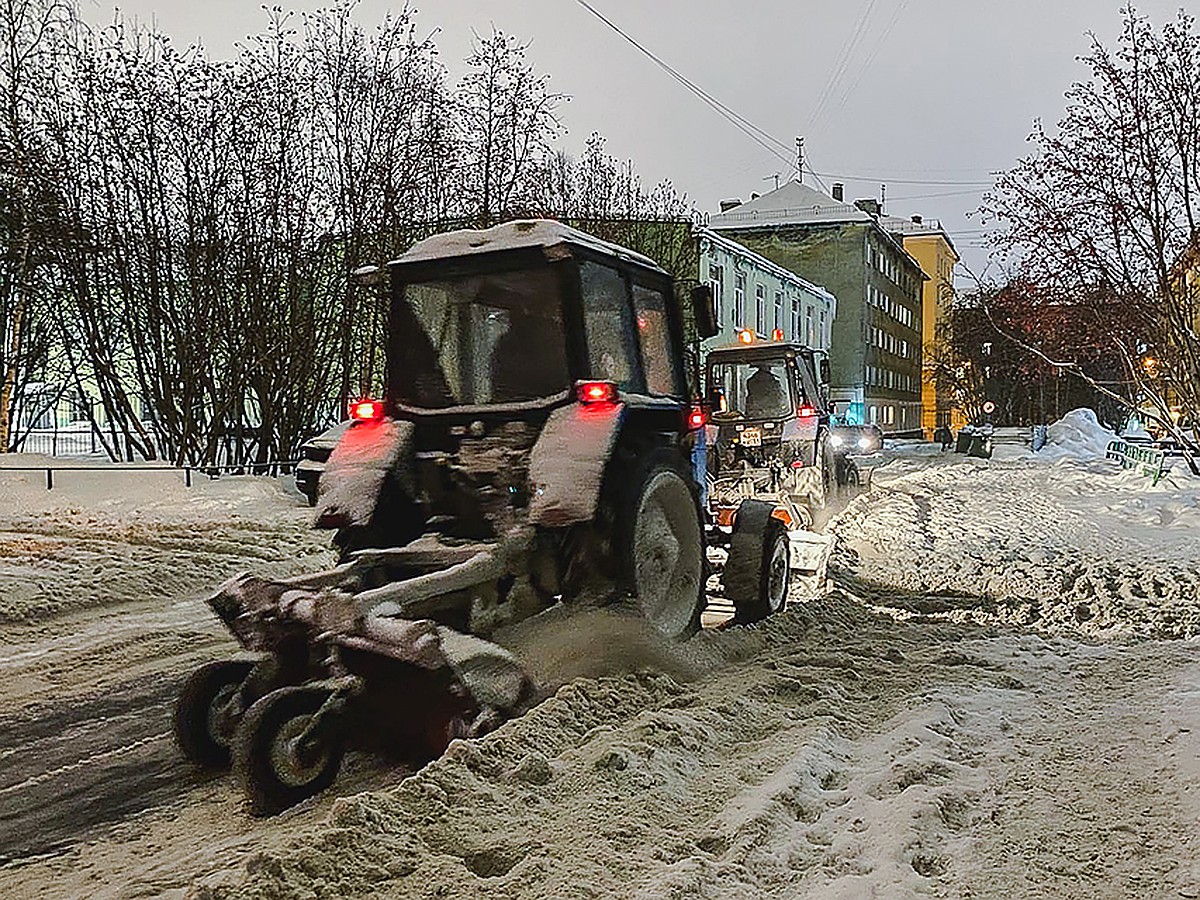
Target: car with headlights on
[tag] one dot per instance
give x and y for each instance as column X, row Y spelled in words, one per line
column 855, row 440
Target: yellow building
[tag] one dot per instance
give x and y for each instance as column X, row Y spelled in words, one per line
column 932, row 248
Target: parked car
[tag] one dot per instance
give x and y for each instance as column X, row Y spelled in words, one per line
column 849, row 439
column 313, row 455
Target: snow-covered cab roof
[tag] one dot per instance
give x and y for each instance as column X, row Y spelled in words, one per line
column 519, row 234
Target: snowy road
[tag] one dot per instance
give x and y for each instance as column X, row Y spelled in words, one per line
column 998, row 697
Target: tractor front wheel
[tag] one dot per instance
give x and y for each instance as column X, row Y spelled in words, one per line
column 284, row 752
column 206, row 713
column 758, row 570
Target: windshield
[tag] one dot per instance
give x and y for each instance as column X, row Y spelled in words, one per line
column 495, row 337
column 750, row 390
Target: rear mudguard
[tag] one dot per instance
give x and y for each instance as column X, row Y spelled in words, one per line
column 566, row 465
column 357, row 469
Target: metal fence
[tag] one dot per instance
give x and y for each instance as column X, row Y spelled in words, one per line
column 77, row 439
column 274, row 469
column 82, row 440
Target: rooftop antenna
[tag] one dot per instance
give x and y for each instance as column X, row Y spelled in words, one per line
column 776, row 177
column 800, row 157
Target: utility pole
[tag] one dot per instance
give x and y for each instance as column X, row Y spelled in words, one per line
column 883, row 199
column 800, row 157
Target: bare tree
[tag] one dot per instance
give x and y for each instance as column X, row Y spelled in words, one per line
column 508, row 120
column 28, row 208
column 201, row 218
column 1109, row 207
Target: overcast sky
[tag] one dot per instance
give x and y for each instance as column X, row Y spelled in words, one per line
column 934, row 96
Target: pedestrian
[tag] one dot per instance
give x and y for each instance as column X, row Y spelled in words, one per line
column 943, row 436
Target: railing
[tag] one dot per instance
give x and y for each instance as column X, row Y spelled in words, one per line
column 1146, row 460
column 78, row 439
column 273, row 469
column 772, row 216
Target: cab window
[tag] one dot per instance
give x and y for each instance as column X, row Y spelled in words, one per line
column 654, row 339
column 608, row 325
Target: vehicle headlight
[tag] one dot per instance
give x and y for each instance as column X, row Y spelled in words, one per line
column 836, row 440
column 864, row 443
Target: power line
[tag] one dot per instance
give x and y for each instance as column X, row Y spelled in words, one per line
column 965, row 193
column 840, row 64
column 852, row 177
column 874, row 52
column 764, row 139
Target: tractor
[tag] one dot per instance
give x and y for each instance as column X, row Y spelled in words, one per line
column 535, row 446
column 770, row 424
column 768, row 440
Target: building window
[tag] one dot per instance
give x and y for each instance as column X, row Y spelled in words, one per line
column 716, row 279
column 808, row 327
column 739, row 301
column 760, row 309
column 795, row 317
column 824, row 333
column 779, row 323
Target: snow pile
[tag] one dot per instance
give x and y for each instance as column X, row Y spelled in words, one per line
column 1078, row 435
column 1077, row 546
column 754, row 780
column 130, row 533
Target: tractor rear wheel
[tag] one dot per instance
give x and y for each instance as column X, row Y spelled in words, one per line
column 664, row 548
column 823, row 489
column 205, row 718
column 282, row 754
column 758, row 571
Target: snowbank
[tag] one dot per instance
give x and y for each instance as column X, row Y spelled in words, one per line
column 129, row 533
column 1078, row 434
column 1079, row 546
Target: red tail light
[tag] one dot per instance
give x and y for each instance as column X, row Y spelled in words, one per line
column 697, row 418
column 366, row 410
column 592, row 392
column 806, row 412
column 777, row 334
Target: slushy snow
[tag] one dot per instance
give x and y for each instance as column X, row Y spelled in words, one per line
column 996, row 696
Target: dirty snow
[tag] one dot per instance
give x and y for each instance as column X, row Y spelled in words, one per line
column 126, row 533
column 997, row 696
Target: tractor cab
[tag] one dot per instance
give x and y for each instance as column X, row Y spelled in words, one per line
column 768, row 402
column 519, row 315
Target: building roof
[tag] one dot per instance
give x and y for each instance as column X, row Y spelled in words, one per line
column 909, row 228
column 521, row 233
column 798, row 204
column 774, row 268
column 790, row 204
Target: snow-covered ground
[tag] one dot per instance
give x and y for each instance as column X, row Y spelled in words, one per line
column 114, row 534
column 998, row 696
